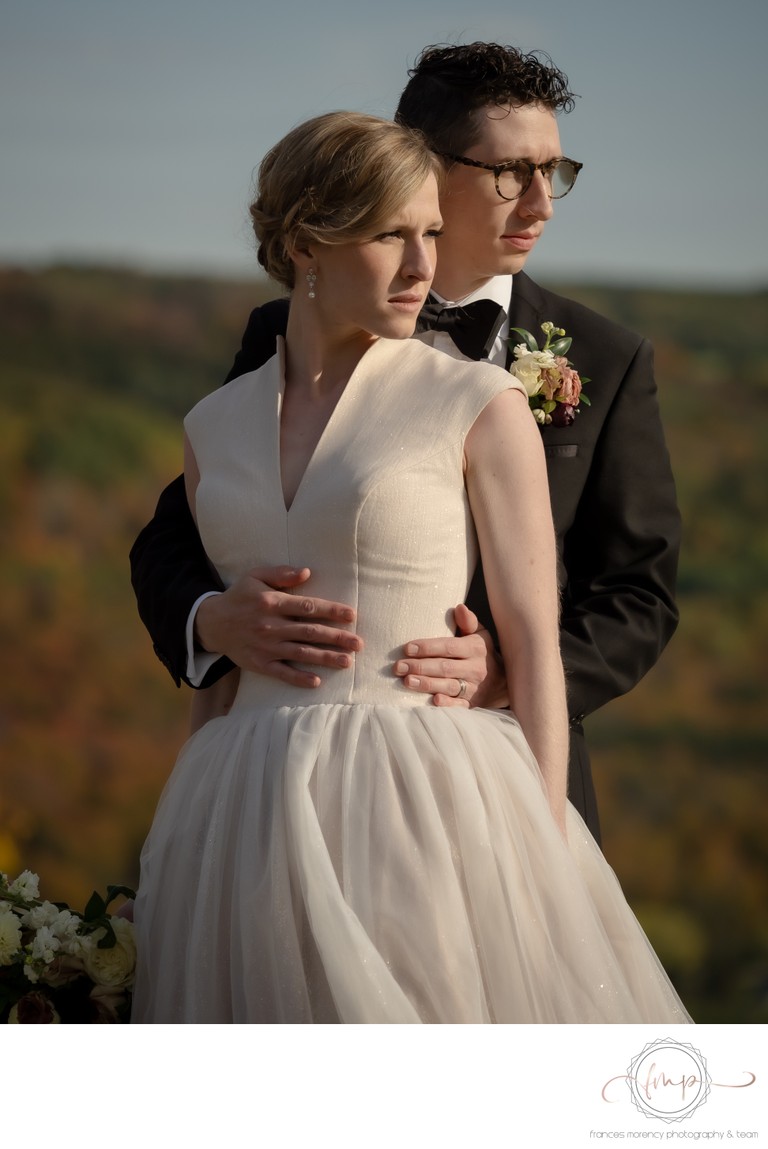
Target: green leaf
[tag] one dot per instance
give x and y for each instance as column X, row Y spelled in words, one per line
column 96, row 907
column 561, row 346
column 109, row 940
column 585, row 400
column 549, row 406
column 527, row 338
column 115, row 892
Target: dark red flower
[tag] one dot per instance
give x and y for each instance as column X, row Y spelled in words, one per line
column 34, row 1009
column 563, row 415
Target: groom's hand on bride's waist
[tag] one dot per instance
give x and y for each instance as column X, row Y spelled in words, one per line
column 262, row 628
column 464, row 670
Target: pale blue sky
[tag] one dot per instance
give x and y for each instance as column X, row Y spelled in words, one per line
column 129, row 131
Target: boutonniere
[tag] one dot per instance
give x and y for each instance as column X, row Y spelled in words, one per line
column 554, row 388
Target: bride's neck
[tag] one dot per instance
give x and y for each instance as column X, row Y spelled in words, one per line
column 320, row 356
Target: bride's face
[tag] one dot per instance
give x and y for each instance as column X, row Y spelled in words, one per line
column 378, row 285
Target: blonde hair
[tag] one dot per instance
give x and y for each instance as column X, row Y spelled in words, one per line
column 334, row 179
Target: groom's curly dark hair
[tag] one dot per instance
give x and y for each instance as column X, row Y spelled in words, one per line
column 450, row 82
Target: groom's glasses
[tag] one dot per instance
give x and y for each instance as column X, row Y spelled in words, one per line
column 513, row 178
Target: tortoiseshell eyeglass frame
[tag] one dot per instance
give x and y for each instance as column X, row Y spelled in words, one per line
column 547, row 169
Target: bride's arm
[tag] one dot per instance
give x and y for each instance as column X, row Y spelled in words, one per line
column 506, row 481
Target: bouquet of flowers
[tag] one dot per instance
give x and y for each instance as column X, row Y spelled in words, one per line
column 554, row 388
column 58, row 965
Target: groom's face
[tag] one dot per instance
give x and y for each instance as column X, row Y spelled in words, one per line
column 484, row 234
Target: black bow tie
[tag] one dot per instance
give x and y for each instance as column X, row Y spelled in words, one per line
column 472, row 328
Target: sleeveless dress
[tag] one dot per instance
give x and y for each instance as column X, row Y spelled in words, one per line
column 352, row 853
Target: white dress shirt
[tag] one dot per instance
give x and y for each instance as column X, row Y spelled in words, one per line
column 499, row 289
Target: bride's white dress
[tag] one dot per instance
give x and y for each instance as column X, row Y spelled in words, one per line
column 353, row 853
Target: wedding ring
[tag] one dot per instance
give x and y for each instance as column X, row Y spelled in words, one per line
column 462, row 688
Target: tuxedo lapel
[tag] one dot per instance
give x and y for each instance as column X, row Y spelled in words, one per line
column 525, row 309
column 530, row 308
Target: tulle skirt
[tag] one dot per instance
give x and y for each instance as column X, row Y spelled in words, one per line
column 379, row 864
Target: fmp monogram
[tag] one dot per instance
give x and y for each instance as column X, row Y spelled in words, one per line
column 668, row 1080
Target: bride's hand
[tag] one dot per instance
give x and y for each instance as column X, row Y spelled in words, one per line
column 464, row 670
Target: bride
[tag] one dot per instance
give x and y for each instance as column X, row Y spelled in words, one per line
column 346, row 851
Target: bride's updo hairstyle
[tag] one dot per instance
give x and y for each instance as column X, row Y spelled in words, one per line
column 334, row 179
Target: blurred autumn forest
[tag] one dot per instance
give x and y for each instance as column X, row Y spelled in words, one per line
column 97, row 368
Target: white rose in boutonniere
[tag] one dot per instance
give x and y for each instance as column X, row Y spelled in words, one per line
column 553, row 386
column 530, row 366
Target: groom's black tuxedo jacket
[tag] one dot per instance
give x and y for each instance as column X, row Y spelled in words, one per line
column 613, row 501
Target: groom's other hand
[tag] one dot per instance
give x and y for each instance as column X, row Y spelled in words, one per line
column 263, row 628
column 464, row 670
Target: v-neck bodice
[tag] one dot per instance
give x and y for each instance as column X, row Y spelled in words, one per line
column 380, row 515
column 347, row 395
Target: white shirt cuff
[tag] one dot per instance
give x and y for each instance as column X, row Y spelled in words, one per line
column 199, row 662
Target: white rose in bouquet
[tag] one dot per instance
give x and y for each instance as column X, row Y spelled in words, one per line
column 115, row 966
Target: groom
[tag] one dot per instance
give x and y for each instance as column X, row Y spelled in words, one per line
column 490, row 111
